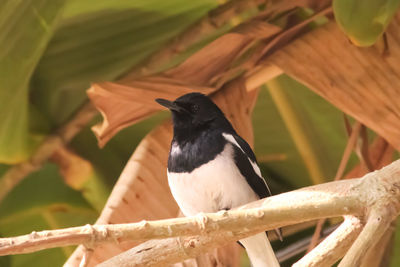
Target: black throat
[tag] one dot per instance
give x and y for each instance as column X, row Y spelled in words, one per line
column 193, row 149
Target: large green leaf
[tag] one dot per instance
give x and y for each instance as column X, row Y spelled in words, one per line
column 364, row 20
column 102, row 45
column 25, row 29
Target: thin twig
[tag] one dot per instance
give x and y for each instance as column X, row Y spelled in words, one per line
column 363, row 149
column 62, row 136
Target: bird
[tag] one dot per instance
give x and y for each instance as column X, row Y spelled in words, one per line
column 211, row 168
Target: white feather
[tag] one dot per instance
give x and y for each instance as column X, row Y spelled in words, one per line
column 212, row 186
column 175, row 149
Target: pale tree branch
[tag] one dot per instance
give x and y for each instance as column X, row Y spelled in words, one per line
column 289, row 208
column 171, row 250
column 87, row 255
column 375, row 196
column 375, row 189
column 333, row 248
column 375, row 256
column 378, row 222
column 301, row 245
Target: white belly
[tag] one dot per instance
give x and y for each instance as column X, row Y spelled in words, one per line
column 213, row 186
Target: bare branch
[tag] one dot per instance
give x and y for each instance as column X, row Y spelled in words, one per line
column 375, row 256
column 334, row 246
column 380, row 188
column 289, row 208
column 376, row 195
column 377, row 224
column 88, row 253
column 171, row 250
column 300, row 246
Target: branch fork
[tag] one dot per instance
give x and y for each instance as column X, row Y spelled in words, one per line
column 373, row 200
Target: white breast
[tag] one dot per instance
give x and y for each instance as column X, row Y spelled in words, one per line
column 213, row 186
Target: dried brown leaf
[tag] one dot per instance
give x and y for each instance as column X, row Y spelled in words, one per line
column 214, row 58
column 127, row 102
column 257, row 29
column 359, row 81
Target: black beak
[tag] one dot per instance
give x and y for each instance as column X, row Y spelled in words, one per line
column 169, row 104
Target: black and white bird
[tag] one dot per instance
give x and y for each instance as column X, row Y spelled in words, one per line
column 211, row 168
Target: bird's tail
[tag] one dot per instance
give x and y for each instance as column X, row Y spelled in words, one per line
column 260, row 251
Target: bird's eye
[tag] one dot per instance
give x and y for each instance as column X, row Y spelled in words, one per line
column 194, row 108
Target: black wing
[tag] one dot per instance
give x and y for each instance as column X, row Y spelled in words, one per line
column 243, row 155
column 256, row 182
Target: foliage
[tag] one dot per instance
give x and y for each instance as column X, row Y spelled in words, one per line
column 364, row 21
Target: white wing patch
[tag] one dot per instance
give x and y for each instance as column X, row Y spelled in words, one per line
column 233, row 141
column 175, row 149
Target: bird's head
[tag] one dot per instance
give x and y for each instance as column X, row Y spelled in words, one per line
column 194, row 111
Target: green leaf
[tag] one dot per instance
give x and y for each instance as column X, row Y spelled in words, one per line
column 102, row 45
column 25, row 29
column 364, row 21
column 320, row 123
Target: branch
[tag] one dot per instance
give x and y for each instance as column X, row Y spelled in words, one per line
column 376, row 226
column 376, row 256
column 266, row 214
column 334, row 246
column 300, row 246
column 62, row 136
column 379, row 190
